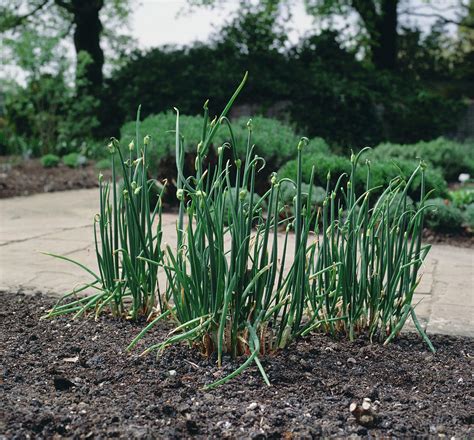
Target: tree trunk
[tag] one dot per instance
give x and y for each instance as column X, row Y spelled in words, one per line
column 384, row 47
column 381, row 25
column 87, row 32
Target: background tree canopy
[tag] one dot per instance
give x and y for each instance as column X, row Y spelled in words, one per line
column 366, row 75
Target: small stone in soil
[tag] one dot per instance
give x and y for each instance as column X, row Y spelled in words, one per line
column 62, row 383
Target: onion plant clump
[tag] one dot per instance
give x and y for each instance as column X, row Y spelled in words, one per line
column 374, row 247
column 125, row 228
column 244, row 278
column 241, row 281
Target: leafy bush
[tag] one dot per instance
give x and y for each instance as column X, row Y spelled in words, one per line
column 103, row 164
column 452, row 158
column 412, row 111
column 33, row 112
column 462, row 197
column 49, row 115
column 74, row 160
column 381, row 173
column 288, row 194
column 442, row 216
column 50, row 160
column 469, row 216
column 161, row 130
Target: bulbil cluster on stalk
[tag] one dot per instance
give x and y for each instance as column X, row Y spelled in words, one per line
column 243, row 279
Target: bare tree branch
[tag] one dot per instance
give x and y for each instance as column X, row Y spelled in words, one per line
column 439, row 17
column 15, row 21
column 64, row 5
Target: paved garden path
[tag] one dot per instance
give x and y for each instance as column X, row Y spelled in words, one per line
column 61, row 223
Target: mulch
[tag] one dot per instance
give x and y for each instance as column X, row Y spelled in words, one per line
column 72, row 379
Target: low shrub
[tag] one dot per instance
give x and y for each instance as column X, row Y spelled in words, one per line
column 462, row 197
column 469, row 216
column 452, row 158
column 443, row 216
column 50, row 160
column 274, row 141
column 382, row 171
column 103, row 164
column 288, row 194
column 74, row 160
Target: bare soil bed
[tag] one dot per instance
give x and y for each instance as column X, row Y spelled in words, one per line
column 464, row 239
column 30, row 177
column 72, row 379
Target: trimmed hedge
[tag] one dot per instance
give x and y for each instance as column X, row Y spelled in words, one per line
column 382, row 171
column 452, row 158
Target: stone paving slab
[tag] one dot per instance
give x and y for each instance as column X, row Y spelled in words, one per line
column 62, row 223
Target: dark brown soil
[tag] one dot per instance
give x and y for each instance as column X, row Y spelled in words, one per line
column 22, row 178
column 66, row 378
column 463, row 239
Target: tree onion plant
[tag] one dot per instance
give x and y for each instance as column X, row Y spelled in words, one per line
column 124, row 229
column 243, row 279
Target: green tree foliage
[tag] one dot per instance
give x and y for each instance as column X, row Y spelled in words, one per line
column 325, row 85
column 378, row 22
column 33, row 24
column 378, row 18
column 321, row 86
column 47, row 113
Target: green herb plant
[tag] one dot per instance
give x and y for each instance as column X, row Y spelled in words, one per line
column 74, row 160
